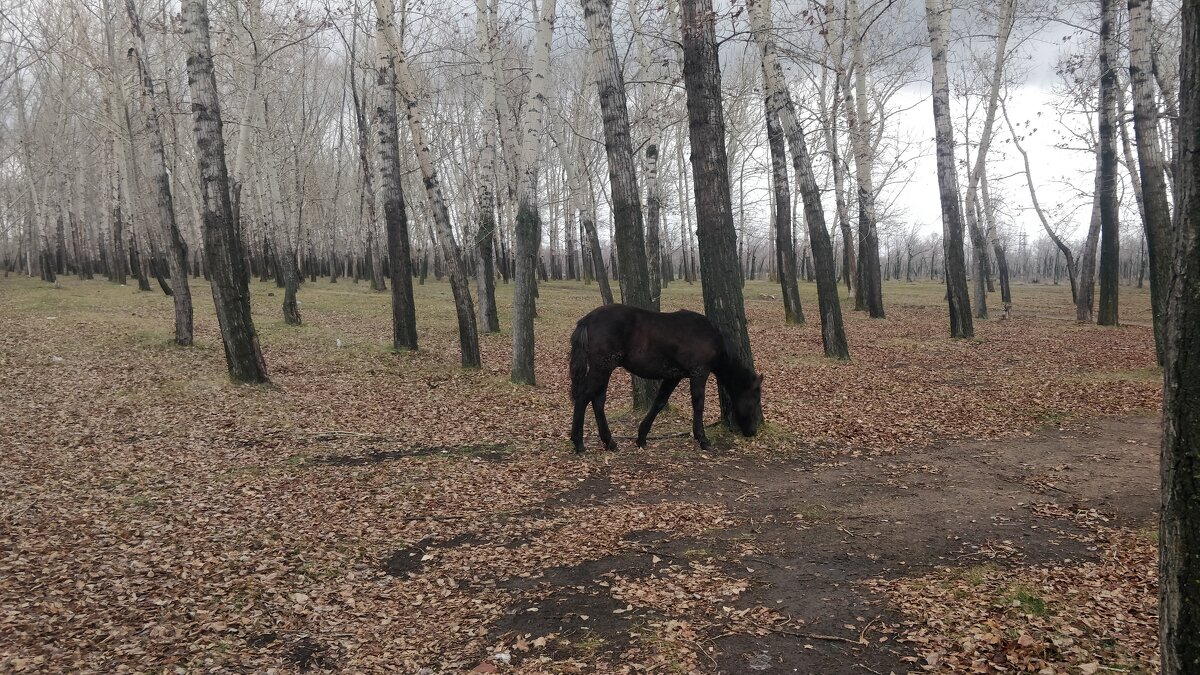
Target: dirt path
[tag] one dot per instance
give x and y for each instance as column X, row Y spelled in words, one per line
column 812, row 527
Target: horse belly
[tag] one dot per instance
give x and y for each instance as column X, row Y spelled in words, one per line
column 655, row 367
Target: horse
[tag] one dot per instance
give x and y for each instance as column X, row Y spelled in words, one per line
column 659, row 346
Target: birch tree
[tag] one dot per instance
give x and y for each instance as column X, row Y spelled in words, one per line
column 716, row 240
column 1004, row 26
column 528, row 221
column 485, row 275
column 1157, row 213
column 1110, row 237
column 859, row 122
column 176, row 252
column 1179, row 524
column 937, row 13
column 622, row 174
column 390, row 48
column 222, row 248
column 833, row 335
column 785, row 252
column 404, row 312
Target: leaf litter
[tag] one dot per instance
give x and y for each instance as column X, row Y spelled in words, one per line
column 156, row 517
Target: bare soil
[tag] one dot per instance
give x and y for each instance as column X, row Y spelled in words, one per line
column 817, row 524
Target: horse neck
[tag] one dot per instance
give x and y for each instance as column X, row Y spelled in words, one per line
column 730, row 374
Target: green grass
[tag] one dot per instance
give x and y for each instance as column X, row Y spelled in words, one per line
column 1027, row 598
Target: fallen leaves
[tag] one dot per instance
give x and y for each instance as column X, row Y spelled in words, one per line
column 155, row 517
column 1038, row 618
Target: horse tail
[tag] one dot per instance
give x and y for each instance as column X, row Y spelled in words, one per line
column 579, row 359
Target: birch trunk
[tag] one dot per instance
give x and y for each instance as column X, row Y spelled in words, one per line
column 785, row 253
column 979, row 236
column 391, row 50
column 404, row 313
column 367, row 196
column 938, row 16
column 485, row 271
column 587, row 220
column 176, row 252
column 1179, row 539
column 860, row 136
column 269, row 171
column 528, row 221
column 717, row 242
column 1110, row 241
column 1157, row 213
column 222, row 247
column 634, row 273
column 833, row 335
column 653, row 195
column 1086, row 297
column 849, row 258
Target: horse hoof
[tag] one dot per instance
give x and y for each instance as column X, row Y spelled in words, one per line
column 611, row 446
column 641, row 442
column 579, row 449
column 705, row 447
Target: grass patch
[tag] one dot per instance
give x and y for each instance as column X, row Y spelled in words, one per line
column 1027, row 598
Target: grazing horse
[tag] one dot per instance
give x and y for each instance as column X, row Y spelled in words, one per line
column 658, row 346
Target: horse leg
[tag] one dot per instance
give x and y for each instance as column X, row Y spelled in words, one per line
column 697, row 385
column 581, row 404
column 601, row 420
column 660, row 402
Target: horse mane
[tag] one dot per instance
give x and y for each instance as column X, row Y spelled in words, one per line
column 731, row 374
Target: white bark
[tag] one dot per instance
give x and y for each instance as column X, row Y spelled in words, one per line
column 468, row 332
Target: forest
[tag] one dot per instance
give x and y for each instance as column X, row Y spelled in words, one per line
column 947, row 258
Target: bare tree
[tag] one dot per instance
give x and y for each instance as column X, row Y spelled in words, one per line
column 833, row 334
column 222, row 248
column 1157, row 216
column 1110, row 238
column 485, row 274
column 1179, row 539
column 937, row 14
column 720, row 277
column 1004, row 26
column 785, row 252
column 622, row 174
column 404, row 312
column 528, row 220
column 176, row 253
column 468, row 336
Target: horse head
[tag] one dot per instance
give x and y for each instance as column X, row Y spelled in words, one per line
column 747, row 407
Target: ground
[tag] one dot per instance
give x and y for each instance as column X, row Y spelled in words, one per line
column 930, row 505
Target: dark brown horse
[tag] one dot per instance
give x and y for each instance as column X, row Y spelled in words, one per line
column 658, row 346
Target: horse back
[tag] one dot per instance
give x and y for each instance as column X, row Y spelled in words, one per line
column 652, row 344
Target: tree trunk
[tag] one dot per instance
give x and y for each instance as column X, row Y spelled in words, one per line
column 1110, row 238
column 860, row 136
column 785, row 253
column 938, row 16
column 176, row 253
column 622, row 173
column 1179, row 531
column 222, row 247
column 587, row 220
column 485, row 270
column 1157, row 215
column 390, row 50
column 1086, row 295
column 528, row 222
column 404, row 315
column 833, row 335
column 721, row 280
